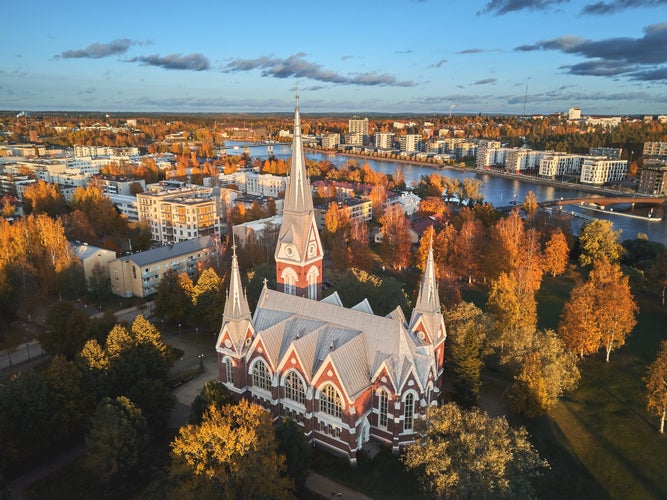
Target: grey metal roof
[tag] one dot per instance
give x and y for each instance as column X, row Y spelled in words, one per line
column 169, row 251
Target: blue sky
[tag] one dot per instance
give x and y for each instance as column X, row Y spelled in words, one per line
column 398, row 56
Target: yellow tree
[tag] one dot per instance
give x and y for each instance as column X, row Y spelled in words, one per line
column 396, row 238
column 598, row 239
column 231, row 454
column 615, row 305
column 556, row 254
column 530, row 204
column 656, row 385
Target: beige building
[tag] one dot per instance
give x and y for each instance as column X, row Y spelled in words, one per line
column 178, row 213
column 91, row 256
column 653, row 178
column 140, row 274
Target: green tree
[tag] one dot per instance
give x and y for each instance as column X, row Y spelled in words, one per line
column 117, row 441
column 214, row 393
column 384, row 293
column 657, row 274
column 656, row 385
column 173, row 301
column 233, row 453
column 467, row 327
column 467, row 454
column 65, row 330
column 208, row 300
column 292, row 443
column 598, row 239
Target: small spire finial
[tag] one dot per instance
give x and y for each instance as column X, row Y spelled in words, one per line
column 297, row 94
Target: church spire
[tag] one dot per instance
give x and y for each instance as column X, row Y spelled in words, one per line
column 236, row 305
column 298, row 197
column 428, row 300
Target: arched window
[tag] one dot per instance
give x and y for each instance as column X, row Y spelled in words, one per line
column 313, row 275
column 383, row 405
column 330, row 401
column 261, row 377
column 409, row 412
column 294, row 389
column 289, row 280
column 229, row 370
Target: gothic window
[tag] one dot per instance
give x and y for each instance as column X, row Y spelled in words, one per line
column 229, row 371
column 261, row 377
column 383, row 405
column 289, row 280
column 294, row 389
column 312, row 282
column 408, row 412
column 330, row 401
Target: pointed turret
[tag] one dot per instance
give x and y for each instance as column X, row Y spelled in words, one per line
column 236, row 305
column 299, row 248
column 428, row 300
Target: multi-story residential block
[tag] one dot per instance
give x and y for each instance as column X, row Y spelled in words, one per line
column 521, row 159
column 655, row 149
column 126, row 205
column 553, row 165
column 178, row 213
column 140, row 274
column 358, row 125
column 490, row 153
column 260, row 230
column 355, row 139
column 357, row 209
column 613, row 153
column 330, row 141
column 574, row 114
column 653, row 178
column 600, row 170
column 410, row 142
column 464, row 149
column 264, row 184
column 113, row 184
column 384, row 140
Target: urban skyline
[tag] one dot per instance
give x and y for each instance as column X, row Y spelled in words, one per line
column 403, row 56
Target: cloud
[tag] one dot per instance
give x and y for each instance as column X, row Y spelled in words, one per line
column 500, row 7
column 88, row 91
column 470, row 51
column 486, row 81
column 408, row 51
column 439, row 64
column 633, row 57
column 295, row 66
column 601, row 8
column 99, row 50
column 194, row 62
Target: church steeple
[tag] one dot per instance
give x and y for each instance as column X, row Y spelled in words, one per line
column 236, row 305
column 299, row 249
column 428, row 299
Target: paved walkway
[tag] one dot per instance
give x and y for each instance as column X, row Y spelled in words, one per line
column 327, row 488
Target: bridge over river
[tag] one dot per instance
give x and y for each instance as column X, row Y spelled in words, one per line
column 599, row 201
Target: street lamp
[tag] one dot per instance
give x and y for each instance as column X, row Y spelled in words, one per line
column 179, row 328
column 201, row 361
column 197, row 331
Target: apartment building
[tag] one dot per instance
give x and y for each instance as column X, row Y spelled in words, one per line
column 140, row 274
column 613, row 153
column 490, row 153
column 358, row 125
column 655, row 149
column 600, row 170
column 554, row 165
column 384, row 140
column 177, row 212
column 521, row 159
column 410, row 143
column 330, row 141
column 357, row 209
column 653, row 178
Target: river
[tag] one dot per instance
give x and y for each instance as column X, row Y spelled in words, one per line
column 500, row 191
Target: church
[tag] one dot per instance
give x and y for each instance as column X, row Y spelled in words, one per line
column 345, row 375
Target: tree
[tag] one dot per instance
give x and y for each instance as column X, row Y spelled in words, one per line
column 396, row 237
column 657, row 274
column 292, row 443
column 173, row 301
column 65, row 329
column 556, row 254
column 43, row 197
column 233, row 453
column 214, row 393
column 656, row 385
column 530, row 204
column 467, row 454
column 117, row 441
column 467, row 327
column 616, row 307
column 578, row 322
column 547, row 372
column 598, row 239
column 208, row 300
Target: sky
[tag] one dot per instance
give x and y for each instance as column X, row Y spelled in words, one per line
column 377, row 56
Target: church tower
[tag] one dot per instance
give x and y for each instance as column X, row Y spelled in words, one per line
column 299, row 250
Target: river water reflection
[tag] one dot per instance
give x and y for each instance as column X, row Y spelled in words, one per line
column 499, row 191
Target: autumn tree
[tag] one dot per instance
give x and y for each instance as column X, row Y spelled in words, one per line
column 578, row 321
column 598, row 239
column 65, row 330
column 43, row 197
column 208, row 300
column 231, row 454
column 214, row 393
column 656, row 385
column 657, row 274
column 547, row 371
column 530, row 204
column 396, row 237
column 556, row 254
column 467, row 454
column 173, row 301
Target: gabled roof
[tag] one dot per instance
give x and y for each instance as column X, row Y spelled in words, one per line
column 169, row 251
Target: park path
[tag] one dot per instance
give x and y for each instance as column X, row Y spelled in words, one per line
column 327, row 488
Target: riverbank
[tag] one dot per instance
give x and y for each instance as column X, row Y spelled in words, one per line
column 507, row 175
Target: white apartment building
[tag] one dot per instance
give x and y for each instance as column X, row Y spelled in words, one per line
column 600, row 170
column 410, row 143
column 384, row 140
column 574, row 114
column 358, row 125
column 330, row 141
column 354, row 139
column 126, row 205
column 251, row 182
column 94, row 151
column 490, row 153
column 409, row 202
column 112, row 184
column 463, row 149
column 554, row 165
column 179, row 213
column 521, row 159
column 613, row 153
